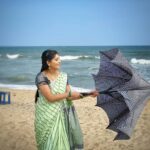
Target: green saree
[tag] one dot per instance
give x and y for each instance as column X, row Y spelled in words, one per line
column 56, row 123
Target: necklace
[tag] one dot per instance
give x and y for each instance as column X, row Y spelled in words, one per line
column 52, row 77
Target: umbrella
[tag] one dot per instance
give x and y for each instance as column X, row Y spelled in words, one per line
column 123, row 93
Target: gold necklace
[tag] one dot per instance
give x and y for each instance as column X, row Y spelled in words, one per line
column 52, row 78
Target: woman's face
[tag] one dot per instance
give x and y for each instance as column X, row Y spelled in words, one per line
column 55, row 62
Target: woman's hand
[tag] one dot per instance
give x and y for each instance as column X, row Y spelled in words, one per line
column 94, row 93
column 75, row 95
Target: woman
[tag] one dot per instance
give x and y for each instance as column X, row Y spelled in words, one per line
column 56, row 122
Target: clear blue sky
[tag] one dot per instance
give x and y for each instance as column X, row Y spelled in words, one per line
column 74, row 22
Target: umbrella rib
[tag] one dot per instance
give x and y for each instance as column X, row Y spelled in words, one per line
column 107, row 91
column 114, row 77
column 105, row 55
column 112, row 88
column 122, row 113
column 130, row 73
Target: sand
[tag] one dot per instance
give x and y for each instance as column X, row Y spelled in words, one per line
column 17, row 125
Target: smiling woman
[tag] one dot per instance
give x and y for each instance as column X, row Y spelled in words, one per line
column 51, row 109
column 56, row 121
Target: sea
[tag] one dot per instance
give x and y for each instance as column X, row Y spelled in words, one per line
column 19, row 65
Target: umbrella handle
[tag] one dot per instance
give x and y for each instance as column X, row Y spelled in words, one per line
column 106, row 92
column 85, row 94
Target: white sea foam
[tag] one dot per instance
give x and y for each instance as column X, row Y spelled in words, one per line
column 140, row 61
column 20, row 87
column 14, row 56
column 97, row 57
column 79, row 89
column 33, row 87
column 93, row 68
column 69, row 57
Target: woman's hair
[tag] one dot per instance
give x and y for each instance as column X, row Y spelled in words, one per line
column 47, row 55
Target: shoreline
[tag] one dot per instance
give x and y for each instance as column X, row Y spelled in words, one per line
column 17, row 125
column 34, row 88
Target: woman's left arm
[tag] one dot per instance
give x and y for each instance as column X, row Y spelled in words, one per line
column 74, row 95
column 77, row 95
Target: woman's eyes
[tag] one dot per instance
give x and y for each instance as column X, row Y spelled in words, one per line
column 57, row 59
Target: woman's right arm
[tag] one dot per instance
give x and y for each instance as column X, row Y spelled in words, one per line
column 46, row 92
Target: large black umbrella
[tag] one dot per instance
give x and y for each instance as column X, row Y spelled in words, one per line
column 123, row 93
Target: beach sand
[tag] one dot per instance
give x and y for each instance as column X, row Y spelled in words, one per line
column 17, row 125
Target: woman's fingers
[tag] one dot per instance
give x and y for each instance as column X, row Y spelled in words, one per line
column 94, row 93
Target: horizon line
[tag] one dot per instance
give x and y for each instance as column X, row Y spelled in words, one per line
column 62, row 45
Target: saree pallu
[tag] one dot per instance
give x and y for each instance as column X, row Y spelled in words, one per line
column 56, row 123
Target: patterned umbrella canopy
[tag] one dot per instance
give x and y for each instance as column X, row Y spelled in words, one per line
column 123, row 93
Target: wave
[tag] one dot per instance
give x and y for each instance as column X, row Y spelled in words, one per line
column 63, row 58
column 140, row 61
column 18, row 78
column 69, row 57
column 12, row 56
column 93, row 68
column 19, row 87
column 33, row 87
column 89, row 57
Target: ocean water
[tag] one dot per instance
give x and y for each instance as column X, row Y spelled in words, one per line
column 19, row 65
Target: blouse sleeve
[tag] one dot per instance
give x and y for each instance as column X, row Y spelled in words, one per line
column 41, row 80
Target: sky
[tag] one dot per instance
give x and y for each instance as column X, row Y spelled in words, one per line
column 74, row 22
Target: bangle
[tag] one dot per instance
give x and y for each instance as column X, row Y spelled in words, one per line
column 69, row 94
